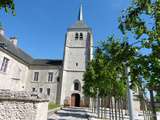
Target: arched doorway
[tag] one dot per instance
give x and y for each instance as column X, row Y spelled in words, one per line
column 75, row 100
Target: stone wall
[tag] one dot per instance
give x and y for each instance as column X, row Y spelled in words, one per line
column 22, row 106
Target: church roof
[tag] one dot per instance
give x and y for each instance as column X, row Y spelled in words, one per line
column 46, row 62
column 14, row 50
column 80, row 24
column 19, row 54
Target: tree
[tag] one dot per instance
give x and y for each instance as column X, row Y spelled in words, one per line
column 106, row 72
column 158, row 96
column 8, row 5
column 142, row 19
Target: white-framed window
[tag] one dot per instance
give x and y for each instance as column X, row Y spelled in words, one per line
column 50, row 76
column 4, row 64
column 40, row 90
column 48, row 91
column 76, row 63
column 33, row 89
column 36, row 75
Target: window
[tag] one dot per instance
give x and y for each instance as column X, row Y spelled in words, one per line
column 40, row 90
column 50, row 76
column 76, row 64
column 36, row 74
column 48, row 91
column 4, row 64
column 76, row 36
column 33, row 89
column 58, row 79
column 76, row 86
column 81, row 36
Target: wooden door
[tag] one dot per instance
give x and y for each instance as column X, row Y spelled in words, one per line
column 73, row 98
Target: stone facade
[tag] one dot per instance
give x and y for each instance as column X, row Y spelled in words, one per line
column 22, row 106
column 77, row 54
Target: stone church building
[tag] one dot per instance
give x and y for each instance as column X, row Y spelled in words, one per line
column 58, row 80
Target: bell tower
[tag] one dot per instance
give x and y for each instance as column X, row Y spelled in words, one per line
column 77, row 53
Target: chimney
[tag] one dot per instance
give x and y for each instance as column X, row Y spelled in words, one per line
column 1, row 31
column 14, row 40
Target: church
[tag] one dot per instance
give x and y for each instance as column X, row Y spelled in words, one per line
column 60, row 81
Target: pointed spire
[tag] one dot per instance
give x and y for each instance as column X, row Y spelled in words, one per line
column 80, row 17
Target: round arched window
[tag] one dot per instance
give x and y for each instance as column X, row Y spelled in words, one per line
column 81, row 36
column 77, row 85
column 76, row 36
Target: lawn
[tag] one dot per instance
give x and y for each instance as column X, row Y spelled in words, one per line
column 52, row 105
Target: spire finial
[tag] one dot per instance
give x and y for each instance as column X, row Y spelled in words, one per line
column 81, row 13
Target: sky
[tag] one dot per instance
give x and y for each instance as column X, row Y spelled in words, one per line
column 40, row 25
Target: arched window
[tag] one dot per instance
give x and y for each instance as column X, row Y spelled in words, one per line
column 77, row 85
column 76, row 36
column 81, row 36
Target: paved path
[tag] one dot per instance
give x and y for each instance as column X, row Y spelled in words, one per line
column 71, row 114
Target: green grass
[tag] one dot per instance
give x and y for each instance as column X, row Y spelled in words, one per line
column 52, row 105
column 158, row 109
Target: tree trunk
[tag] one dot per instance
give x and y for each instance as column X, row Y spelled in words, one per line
column 94, row 105
column 102, row 107
column 119, row 109
column 112, row 113
column 105, row 107
column 98, row 107
column 154, row 116
column 143, row 109
column 122, row 105
column 91, row 104
column 115, row 108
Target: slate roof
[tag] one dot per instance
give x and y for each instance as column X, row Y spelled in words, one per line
column 46, row 62
column 79, row 25
column 21, row 55
column 8, row 46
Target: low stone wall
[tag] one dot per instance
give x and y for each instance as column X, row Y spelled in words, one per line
column 22, row 106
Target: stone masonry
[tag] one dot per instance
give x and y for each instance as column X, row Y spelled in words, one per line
column 22, row 106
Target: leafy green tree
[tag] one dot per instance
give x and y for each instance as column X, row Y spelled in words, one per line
column 89, row 87
column 133, row 20
column 158, row 96
column 8, row 5
column 142, row 19
column 106, row 72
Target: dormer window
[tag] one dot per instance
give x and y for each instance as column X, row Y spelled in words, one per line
column 81, row 36
column 76, row 36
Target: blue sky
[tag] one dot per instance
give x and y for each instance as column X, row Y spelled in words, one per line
column 40, row 25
